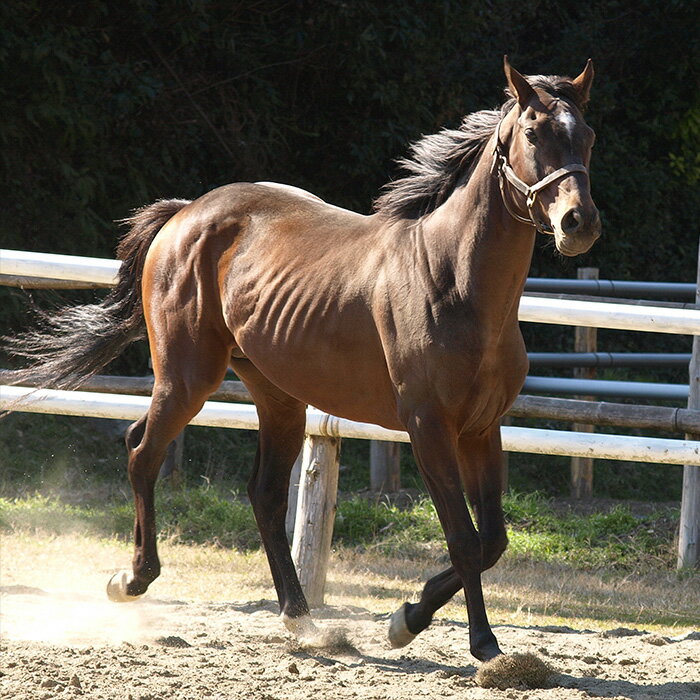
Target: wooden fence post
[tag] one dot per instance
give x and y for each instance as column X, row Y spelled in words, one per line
column 384, row 466
column 689, row 533
column 313, row 529
column 585, row 340
column 171, row 468
column 293, row 496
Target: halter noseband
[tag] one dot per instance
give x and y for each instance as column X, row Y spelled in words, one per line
column 506, row 172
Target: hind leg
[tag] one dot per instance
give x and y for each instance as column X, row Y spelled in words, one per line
column 280, row 438
column 186, row 374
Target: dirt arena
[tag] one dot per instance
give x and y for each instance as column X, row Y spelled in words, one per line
column 62, row 646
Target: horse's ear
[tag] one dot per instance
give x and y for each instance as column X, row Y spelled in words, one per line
column 584, row 81
column 521, row 89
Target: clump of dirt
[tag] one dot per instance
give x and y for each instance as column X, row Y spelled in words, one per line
column 331, row 641
column 173, row 641
column 520, row 671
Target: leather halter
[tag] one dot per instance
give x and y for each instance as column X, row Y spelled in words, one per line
column 506, row 172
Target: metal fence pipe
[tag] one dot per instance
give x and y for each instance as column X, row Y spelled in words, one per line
column 600, row 387
column 612, row 288
column 608, row 359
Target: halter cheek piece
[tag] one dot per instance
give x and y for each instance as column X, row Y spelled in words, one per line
column 506, row 172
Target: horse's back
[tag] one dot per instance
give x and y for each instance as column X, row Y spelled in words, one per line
column 213, row 227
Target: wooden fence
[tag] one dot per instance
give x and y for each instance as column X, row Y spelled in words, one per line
column 318, row 484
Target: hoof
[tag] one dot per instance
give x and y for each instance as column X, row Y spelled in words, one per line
column 399, row 634
column 116, row 588
column 486, row 652
column 301, row 627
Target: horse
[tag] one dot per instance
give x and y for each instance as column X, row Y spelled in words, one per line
column 406, row 317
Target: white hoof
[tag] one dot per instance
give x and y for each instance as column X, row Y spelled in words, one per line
column 399, row 634
column 116, row 588
column 301, row 627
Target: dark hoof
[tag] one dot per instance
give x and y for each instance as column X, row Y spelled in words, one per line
column 486, row 652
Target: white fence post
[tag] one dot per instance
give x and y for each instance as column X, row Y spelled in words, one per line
column 313, row 529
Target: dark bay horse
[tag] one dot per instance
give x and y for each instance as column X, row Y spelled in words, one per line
column 406, row 318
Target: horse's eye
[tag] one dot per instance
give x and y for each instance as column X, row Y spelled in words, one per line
column 531, row 135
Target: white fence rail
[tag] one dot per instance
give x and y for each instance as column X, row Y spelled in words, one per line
column 60, row 267
column 244, row 416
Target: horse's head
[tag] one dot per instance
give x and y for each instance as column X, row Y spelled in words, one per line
column 543, row 152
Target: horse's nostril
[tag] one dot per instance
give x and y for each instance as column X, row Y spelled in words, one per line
column 572, row 221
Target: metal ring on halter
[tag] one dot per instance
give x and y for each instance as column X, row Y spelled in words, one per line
column 506, row 172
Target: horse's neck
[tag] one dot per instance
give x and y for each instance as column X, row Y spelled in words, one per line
column 490, row 250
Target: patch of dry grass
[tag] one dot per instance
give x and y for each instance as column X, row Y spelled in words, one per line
column 529, row 593
column 517, row 592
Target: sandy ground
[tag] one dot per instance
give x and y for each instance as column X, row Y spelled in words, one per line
column 209, row 628
column 63, row 645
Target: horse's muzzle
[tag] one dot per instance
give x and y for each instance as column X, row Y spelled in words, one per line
column 578, row 230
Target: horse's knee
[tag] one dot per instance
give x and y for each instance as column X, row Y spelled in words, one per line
column 466, row 552
column 492, row 548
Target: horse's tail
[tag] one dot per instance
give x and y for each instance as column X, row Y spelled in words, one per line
column 78, row 341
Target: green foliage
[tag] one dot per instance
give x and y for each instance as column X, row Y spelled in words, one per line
column 202, row 515
column 108, row 106
column 364, row 522
column 616, row 538
column 111, row 105
column 49, row 514
column 58, row 454
column 685, row 161
column 199, row 515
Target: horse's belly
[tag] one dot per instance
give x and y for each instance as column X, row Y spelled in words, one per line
column 337, row 385
column 330, row 358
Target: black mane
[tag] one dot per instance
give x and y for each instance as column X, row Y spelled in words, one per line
column 436, row 163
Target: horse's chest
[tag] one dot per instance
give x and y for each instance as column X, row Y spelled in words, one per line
column 475, row 380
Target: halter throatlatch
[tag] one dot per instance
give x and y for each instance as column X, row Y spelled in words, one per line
column 506, row 172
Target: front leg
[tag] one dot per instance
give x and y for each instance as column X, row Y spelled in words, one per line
column 435, row 444
column 481, row 468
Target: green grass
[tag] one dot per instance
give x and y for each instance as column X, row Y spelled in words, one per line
column 49, row 514
column 617, row 538
column 199, row 515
